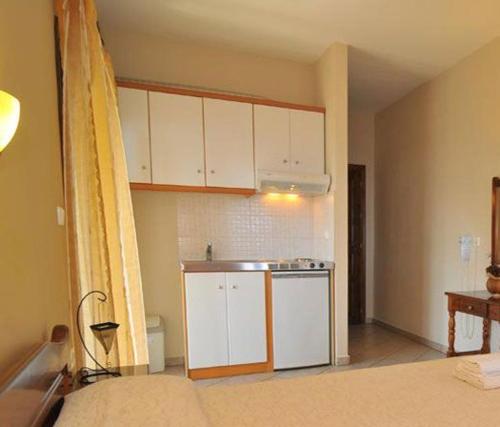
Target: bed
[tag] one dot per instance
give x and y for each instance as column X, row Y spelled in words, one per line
column 415, row 394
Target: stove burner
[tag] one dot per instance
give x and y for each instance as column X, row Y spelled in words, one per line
column 299, row 264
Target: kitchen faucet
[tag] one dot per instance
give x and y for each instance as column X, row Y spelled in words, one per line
column 208, row 252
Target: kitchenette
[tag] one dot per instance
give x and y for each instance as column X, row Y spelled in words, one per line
column 234, row 188
column 247, row 316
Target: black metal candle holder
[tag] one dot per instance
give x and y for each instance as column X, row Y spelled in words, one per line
column 105, row 333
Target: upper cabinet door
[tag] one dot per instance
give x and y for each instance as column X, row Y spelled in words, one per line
column 246, row 307
column 206, row 319
column 133, row 108
column 272, row 138
column 229, row 144
column 307, row 136
column 177, row 151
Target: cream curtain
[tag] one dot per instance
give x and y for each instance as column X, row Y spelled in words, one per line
column 101, row 232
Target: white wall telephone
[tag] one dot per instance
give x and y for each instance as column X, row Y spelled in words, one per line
column 467, row 243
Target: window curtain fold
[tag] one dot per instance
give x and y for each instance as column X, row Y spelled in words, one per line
column 100, row 225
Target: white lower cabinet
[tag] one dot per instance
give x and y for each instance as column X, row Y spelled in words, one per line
column 206, row 319
column 246, row 308
column 225, row 319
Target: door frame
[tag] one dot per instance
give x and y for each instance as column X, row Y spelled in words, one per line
column 362, row 315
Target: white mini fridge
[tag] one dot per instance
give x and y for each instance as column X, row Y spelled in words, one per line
column 301, row 319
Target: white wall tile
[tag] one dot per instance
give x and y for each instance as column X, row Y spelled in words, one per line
column 250, row 228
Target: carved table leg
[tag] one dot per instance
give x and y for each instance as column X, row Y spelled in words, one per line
column 451, row 334
column 486, row 336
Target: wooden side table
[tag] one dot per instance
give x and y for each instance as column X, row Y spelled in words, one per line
column 475, row 303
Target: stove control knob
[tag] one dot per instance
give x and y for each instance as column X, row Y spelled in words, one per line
column 321, row 265
column 312, row 265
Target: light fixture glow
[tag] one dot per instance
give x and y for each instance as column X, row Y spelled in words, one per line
column 10, row 109
column 282, row 196
column 273, row 196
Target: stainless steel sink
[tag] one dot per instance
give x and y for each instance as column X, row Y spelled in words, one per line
column 224, row 265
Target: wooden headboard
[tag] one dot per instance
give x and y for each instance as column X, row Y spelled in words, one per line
column 30, row 389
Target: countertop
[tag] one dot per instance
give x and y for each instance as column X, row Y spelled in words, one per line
column 253, row 265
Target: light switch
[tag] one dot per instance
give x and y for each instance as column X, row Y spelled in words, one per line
column 61, row 216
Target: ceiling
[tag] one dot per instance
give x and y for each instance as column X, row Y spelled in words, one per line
column 396, row 45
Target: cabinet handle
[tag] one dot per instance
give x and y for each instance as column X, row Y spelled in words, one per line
column 469, row 307
column 221, row 287
column 212, row 171
column 143, row 167
column 297, row 162
column 199, row 170
column 234, row 286
column 285, row 161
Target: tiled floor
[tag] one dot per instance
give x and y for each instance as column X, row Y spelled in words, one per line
column 369, row 346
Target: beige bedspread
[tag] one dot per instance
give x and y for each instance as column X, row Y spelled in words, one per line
column 416, row 394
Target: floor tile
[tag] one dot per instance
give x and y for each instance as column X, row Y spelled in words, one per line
column 430, row 355
column 295, row 373
column 370, row 346
column 177, row 371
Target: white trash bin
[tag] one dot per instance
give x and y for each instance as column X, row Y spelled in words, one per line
column 155, row 328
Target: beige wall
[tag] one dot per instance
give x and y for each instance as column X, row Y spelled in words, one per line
column 332, row 81
column 159, row 59
column 436, row 152
column 165, row 60
column 33, row 293
column 156, row 224
column 362, row 152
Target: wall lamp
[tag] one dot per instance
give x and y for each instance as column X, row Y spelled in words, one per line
column 10, row 109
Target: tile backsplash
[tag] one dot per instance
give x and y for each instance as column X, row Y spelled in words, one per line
column 262, row 226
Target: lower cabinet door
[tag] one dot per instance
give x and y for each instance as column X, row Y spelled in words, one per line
column 206, row 319
column 246, row 308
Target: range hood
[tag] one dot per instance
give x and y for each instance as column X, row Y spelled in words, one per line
column 292, row 183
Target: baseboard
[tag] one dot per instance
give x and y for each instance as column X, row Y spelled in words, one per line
column 342, row 360
column 421, row 340
column 174, row 361
column 369, row 320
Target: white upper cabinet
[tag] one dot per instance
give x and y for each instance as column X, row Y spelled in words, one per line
column 186, row 140
column 272, row 138
column 307, row 137
column 133, row 108
column 177, row 150
column 289, row 140
column 229, row 144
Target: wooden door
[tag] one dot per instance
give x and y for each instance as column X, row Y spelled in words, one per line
column 229, row 144
column 246, row 307
column 307, row 138
column 206, row 320
column 133, row 108
column 272, row 138
column 177, row 151
column 357, row 220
